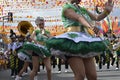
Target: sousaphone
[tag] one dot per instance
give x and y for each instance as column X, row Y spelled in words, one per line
column 25, row 27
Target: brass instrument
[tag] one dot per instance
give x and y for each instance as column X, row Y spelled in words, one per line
column 116, row 46
column 114, row 40
column 25, row 28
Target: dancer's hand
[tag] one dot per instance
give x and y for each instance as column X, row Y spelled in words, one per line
column 93, row 31
column 109, row 6
column 96, row 31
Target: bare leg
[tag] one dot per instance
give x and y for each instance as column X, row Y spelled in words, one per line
column 47, row 63
column 35, row 62
column 77, row 67
column 90, row 69
column 26, row 64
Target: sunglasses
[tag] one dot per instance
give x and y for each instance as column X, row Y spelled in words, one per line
column 40, row 24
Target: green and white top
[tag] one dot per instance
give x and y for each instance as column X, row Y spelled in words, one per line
column 69, row 22
column 41, row 37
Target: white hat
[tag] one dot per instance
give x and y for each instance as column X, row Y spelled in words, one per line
column 38, row 19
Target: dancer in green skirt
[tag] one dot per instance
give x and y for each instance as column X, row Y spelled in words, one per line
column 79, row 45
column 38, row 48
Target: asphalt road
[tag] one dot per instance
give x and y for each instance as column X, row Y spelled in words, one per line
column 104, row 74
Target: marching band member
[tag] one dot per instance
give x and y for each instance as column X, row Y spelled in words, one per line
column 11, row 51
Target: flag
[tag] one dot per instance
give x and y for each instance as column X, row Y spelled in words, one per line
column 104, row 26
column 115, row 24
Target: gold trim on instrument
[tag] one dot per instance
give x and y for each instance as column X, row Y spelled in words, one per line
column 25, row 27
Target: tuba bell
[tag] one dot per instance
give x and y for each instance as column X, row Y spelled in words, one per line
column 25, row 27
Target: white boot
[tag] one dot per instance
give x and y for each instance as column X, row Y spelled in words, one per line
column 18, row 78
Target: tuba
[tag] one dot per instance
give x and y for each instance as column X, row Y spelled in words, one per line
column 25, row 28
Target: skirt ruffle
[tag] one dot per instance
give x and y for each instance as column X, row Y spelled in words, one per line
column 81, row 45
column 72, row 47
column 24, row 56
column 38, row 49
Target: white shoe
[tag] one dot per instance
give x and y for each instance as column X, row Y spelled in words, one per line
column 24, row 73
column 96, row 64
column 59, row 72
column 18, row 78
column 100, row 70
column 35, row 78
column 66, row 70
column 38, row 72
column 117, row 68
column 13, row 76
column 111, row 65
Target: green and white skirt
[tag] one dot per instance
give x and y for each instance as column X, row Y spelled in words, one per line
column 42, row 51
column 24, row 56
column 75, row 44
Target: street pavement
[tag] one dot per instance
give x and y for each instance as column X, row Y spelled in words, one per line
column 103, row 74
